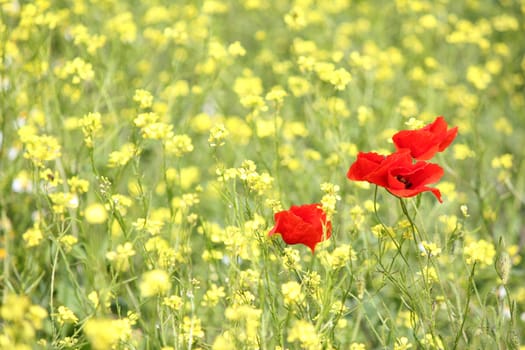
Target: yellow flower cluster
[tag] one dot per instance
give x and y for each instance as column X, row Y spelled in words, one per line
column 65, row 315
column 305, row 334
column 240, row 241
column 174, row 302
column 259, row 183
column 77, row 69
column 429, row 249
column 479, row 77
column 121, row 157
column 218, row 134
column 432, row 342
column 33, row 236
column 106, row 333
column 20, row 322
column 407, row 107
column 329, row 199
column 429, row 274
column 291, row 259
column 82, row 37
column 247, row 173
column 402, row 343
column 339, row 257
column 504, row 163
column 95, row 213
column 185, row 202
column 78, row 185
column 312, row 283
column 292, row 293
column 67, row 242
column 91, row 126
column 245, row 334
column 62, row 201
column 154, row 282
column 123, row 26
column 162, row 254
column 153, row 227
column 479, row 252
column 178, row 145
column 120, row 256
column 191, row 330
column 213, row 295
column 39, row 148
column 467, row 32
column 157, row 131
column 153, row 128
column 144, row 98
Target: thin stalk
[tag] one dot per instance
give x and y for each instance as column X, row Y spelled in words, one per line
column 465, row 311
column 376, row 214
column 413, row 226
column 52, row 287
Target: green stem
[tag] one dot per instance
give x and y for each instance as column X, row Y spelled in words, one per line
column 465, row 311
column 52, row 288
column 413, row 226
column 276, row 152
column 398, row 246
column 7, row 260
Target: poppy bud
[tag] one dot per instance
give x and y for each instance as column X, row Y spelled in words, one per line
column 503, row 266
column 513, row 340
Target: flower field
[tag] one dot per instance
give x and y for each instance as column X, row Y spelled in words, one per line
column 248, row 174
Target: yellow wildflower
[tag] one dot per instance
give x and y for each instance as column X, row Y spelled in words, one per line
column 40, row 149
column 402, row 343
column 213, row 295
column 429, row 249
column 77, row 185
column 91, row 127
column 143, row 98
column 105, row 333
column 292, row 293
column 154, row 282
column 480, row 252
column 65, row 315
column 407, row 107
column 479, row 77
column 33, row 236
column 95, row 213
column 121, row 157
column 62, row 201
column 68, row 241
column 178, row 145
column 120, row 257
column 304, row 332
column 174, row 302
column 235, row 49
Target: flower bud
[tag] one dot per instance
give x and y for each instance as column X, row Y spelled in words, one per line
column 513, row 340
column 503, row 266
column 361, row 287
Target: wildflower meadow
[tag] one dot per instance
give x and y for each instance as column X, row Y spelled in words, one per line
column 250, row 174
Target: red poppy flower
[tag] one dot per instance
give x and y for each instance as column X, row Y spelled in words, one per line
column 397, row 173
column 305, row 224
column 427, row 141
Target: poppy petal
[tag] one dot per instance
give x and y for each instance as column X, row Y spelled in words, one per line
column 424, row 143
column 305, row 224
